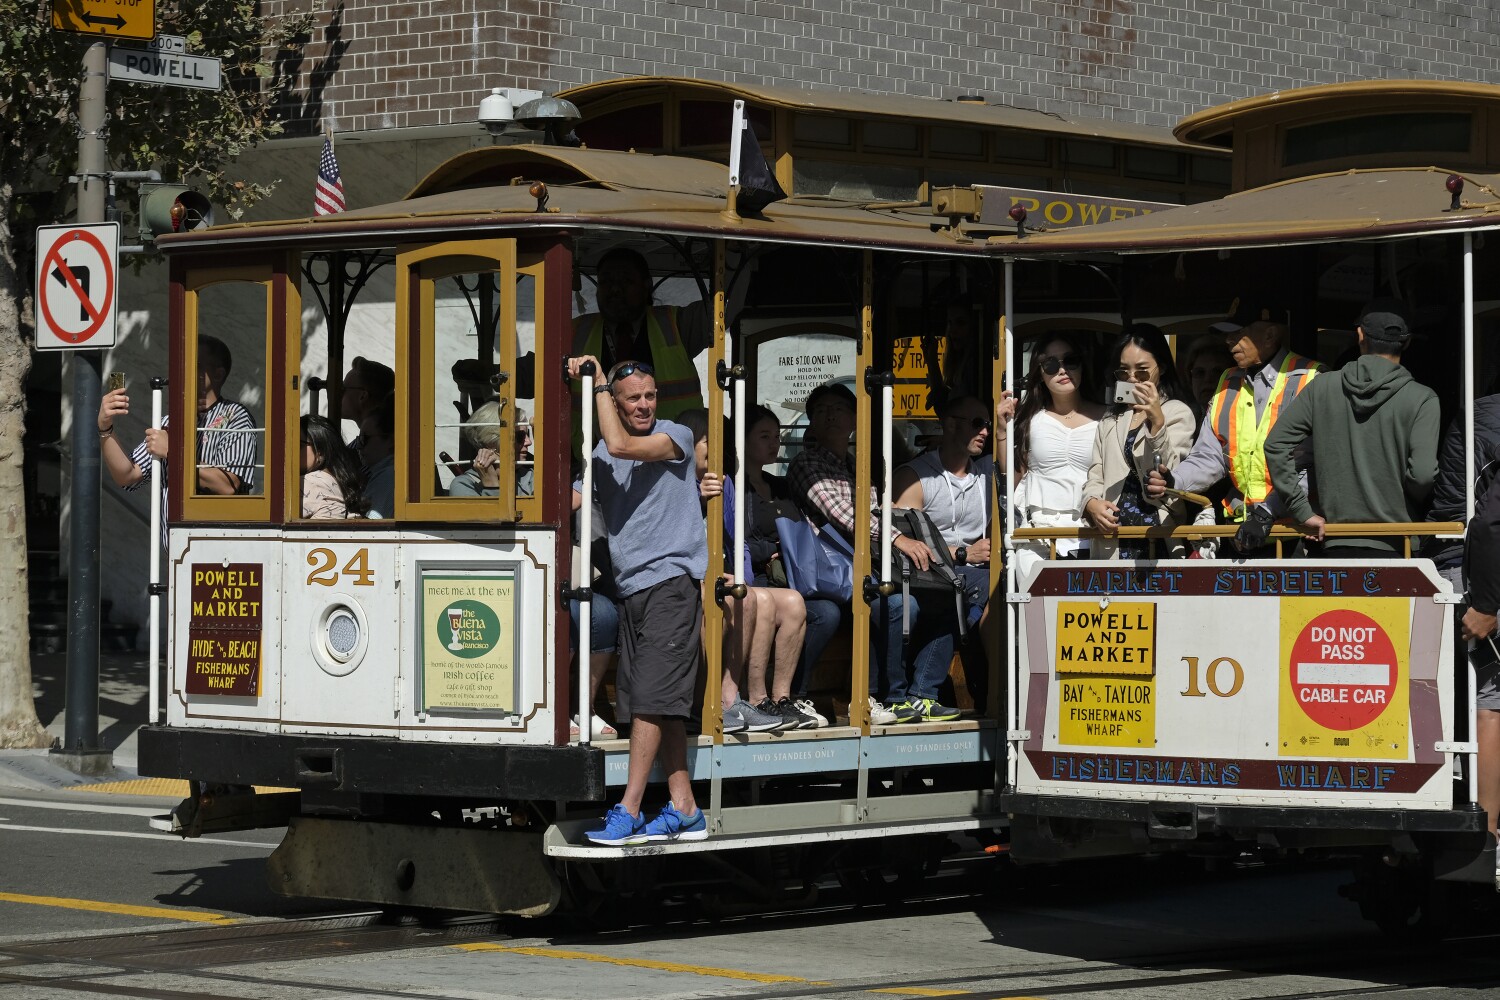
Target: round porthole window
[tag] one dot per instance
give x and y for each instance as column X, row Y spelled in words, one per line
column 340, row 636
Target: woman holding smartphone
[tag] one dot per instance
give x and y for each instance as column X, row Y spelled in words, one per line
column 1148, row 423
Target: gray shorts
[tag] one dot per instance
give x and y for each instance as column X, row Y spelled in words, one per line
column 1484, row 655
column 659, row 650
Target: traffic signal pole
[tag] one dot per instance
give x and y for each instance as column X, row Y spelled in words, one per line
column 80, row 751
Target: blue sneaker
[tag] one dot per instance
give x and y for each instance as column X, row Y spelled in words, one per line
column 620, row 828
column 670, row 824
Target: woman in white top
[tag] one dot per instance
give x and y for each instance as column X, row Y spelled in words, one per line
column 1155, row 429
column 1055, row 426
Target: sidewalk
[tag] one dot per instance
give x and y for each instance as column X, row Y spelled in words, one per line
column 123, row 685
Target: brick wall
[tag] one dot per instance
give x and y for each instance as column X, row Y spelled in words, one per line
column 422, row 62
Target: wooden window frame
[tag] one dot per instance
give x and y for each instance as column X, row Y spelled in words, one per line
column 282, row 330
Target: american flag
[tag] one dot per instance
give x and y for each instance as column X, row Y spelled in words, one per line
column 328, row 198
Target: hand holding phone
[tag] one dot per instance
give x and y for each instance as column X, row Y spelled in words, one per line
column 1124, row 393
column 116, row 381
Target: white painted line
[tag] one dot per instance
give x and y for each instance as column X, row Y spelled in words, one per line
column 137, row 836
column 85, row 807
column 1371, row 674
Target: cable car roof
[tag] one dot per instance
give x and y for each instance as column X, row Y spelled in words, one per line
column 1350, row 205
column 489, row 188
column 973, row 113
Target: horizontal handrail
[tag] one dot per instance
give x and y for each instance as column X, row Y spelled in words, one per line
column 1280, row 533
column 1193, row 532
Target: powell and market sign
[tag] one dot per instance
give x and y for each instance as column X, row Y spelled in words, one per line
column 164, row 61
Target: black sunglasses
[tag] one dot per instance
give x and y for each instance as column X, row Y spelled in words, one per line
column 629, row 368
column 977, row 423
column 1052, row 365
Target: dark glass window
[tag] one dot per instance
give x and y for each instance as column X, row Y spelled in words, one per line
column 1372, row 135
column 629, row 128
column 706, row 123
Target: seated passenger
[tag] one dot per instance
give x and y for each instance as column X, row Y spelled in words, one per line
column 482, row 431
column 1207, row 361
column 822, row 476
column 1134, row 438
column 953, row 484
column 525, row 459
column 1375, row 450
column 750, row 624
column 377, row 434
column 332, row 486
column 1055, row 426
column 1231, row 441
column 366, row 385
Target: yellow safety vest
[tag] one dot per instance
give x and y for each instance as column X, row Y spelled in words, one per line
column 677, row 385
column 1244, row 438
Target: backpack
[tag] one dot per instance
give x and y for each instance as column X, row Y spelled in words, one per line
column 941, row 580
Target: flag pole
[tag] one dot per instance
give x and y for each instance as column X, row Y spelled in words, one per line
column 736, row 136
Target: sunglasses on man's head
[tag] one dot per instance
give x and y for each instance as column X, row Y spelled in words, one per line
column 1052, row 365
column 630, row 368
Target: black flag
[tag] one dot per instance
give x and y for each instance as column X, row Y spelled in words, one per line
column 758, row 187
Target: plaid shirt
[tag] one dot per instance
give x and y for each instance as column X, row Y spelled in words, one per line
column 828, row 483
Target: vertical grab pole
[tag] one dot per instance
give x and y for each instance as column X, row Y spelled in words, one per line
column 153, row 656
column 1471, row 465
column 586, row 562
column 741, row 414
column 887, row 421
column 1012, row 612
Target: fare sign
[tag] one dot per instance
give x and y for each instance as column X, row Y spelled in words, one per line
column 224, row 629
column 110, row 18
column 76, row 304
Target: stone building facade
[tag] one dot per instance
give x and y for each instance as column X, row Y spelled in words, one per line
column 379, row 65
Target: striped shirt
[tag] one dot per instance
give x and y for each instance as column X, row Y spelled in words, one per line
column 234, row 452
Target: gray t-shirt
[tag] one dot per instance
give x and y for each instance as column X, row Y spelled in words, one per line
column 652, row 514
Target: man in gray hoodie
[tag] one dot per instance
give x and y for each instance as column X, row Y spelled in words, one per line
column 1375, row 449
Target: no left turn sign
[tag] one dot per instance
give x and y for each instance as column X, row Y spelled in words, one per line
column 76, row 279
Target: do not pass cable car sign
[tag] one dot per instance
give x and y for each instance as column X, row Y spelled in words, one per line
column 76, row 279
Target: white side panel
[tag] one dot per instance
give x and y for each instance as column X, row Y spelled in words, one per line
column 341, row 587
column 512, row 577
column 194, row 552
column 1268, row 683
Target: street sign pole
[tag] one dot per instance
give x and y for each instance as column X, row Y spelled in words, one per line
column 80, row 750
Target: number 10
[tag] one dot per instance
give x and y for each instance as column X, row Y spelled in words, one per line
column 1195, row 691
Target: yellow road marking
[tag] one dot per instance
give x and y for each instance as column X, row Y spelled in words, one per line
column 170, row 788
column 924, row 991
column 125, row 909
column 639, row 963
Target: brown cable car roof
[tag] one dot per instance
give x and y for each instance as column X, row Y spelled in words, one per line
column 598, row 189
column 1350, row 205
column 856, row 104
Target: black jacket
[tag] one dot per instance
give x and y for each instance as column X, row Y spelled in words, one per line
column 1448, row 489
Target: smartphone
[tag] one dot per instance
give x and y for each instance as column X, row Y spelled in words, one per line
column 116, row 381
column 1124, row 392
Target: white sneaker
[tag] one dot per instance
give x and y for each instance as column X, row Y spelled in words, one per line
column 601, row 729
column 880, row 715
column 805, row 706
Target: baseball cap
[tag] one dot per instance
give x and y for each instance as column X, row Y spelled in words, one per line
column 1385, row 319
column 1251, row 309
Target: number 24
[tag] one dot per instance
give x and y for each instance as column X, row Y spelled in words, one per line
column 323, row 562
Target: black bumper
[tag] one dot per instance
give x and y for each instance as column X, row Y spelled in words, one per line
column 374, row 765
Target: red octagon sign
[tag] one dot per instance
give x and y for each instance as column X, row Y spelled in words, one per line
column 1343, row 670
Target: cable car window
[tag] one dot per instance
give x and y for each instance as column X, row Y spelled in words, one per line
column 230, row 317
column 1374, row 135
column 457, row 429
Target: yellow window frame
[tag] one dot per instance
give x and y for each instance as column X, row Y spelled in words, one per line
column 418, row 269
column 208, row 507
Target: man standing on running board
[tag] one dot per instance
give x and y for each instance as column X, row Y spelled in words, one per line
column 646, row 482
